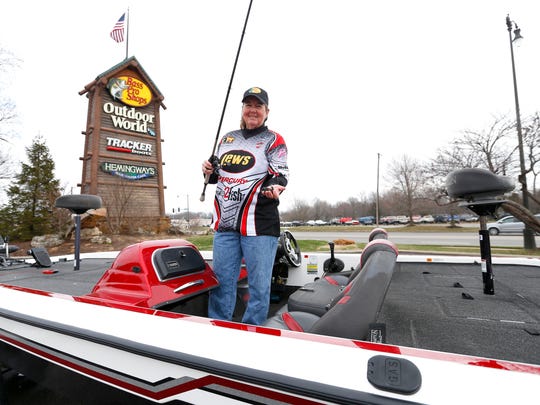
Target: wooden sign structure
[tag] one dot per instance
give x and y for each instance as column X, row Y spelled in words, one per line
column 122, row 160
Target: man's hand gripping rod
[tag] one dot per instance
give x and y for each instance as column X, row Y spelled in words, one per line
column 207, row 176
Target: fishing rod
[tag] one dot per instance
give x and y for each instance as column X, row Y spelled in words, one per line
column 207, row 177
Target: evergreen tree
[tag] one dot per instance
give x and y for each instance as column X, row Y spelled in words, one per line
column 29, row 211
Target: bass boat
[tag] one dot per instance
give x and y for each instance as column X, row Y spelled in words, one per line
column 374, row 327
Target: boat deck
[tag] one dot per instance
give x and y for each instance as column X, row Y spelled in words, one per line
column 63, row 279
column 429, row 305
column 438, row 306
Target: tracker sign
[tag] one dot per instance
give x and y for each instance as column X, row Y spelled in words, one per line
column 128, row 146
column 127, row 171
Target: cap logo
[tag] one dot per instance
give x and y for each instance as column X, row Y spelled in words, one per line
column 254, row 90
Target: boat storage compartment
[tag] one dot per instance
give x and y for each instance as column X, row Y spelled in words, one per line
column 177, row 261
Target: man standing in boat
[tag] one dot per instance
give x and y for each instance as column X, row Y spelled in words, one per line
column 250, row 172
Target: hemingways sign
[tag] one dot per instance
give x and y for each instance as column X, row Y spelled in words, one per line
column 132, row 92
column 127, row 171
column 128, row 146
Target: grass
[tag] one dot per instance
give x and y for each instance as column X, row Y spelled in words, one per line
column 391, row 228
column 205, row 243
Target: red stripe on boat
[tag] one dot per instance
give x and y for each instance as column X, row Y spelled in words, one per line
column 331, row 280
column 291, row 322
column 344, row 299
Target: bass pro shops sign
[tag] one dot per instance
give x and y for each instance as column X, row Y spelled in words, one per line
column 134, row 93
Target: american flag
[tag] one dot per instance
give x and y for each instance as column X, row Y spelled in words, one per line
column 117, row 32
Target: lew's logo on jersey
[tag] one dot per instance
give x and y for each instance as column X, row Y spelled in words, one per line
column 237, row 161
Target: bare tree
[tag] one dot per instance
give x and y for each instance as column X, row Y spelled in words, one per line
column 490, row 149
column 8, row 115
column 300, row 211
column 320, row 210
column 531, row 144
column 8, row 62
column 119, row 202
column 407, row 176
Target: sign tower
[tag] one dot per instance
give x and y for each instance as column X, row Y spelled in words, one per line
column 122, row 160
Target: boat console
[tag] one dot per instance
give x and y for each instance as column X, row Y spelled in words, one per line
column 156, row 274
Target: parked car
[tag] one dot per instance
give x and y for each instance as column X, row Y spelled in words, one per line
column 369, row 220
column 389, row 220
column 444, row 218
column 426, row 219
column 508, row 224
column 352, row 222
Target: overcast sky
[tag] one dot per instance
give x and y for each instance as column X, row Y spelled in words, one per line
column 347, row 79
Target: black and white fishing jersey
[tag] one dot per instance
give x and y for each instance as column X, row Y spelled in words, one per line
column 249, row 160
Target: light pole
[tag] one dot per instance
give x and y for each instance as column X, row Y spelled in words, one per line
column 377, row 197
column 528, row 234
column 187, row 208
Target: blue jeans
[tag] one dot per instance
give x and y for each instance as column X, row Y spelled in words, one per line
column 259, row 253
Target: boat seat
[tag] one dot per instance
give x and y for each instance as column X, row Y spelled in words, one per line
column 473, row 184
column 314, row 297
column 78, row 203
column 344, row 278
column 377, row 233
column 6, row 248
column 351, row 313
column 317, row 297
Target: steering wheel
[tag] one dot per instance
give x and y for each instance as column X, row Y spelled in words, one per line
column 290, row 249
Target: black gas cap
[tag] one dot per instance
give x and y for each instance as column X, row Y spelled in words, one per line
column 394, row 374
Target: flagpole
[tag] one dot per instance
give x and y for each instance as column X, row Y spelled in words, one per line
column 127, row 33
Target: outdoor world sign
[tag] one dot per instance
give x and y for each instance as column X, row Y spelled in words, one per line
column 129, row 118
column 135, row 94
column 128, row 171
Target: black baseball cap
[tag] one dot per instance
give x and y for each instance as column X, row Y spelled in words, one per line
column 258, row 93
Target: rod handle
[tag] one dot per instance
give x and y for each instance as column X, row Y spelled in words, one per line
column 206, row 180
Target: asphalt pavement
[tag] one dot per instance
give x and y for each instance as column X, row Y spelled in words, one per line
column 417, row 238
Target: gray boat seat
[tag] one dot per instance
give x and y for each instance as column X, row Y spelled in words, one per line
column 78, row 203
column 473, row 184
column 343, row 278
column 317, row 297
column 377, row 233
column 351, row 312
